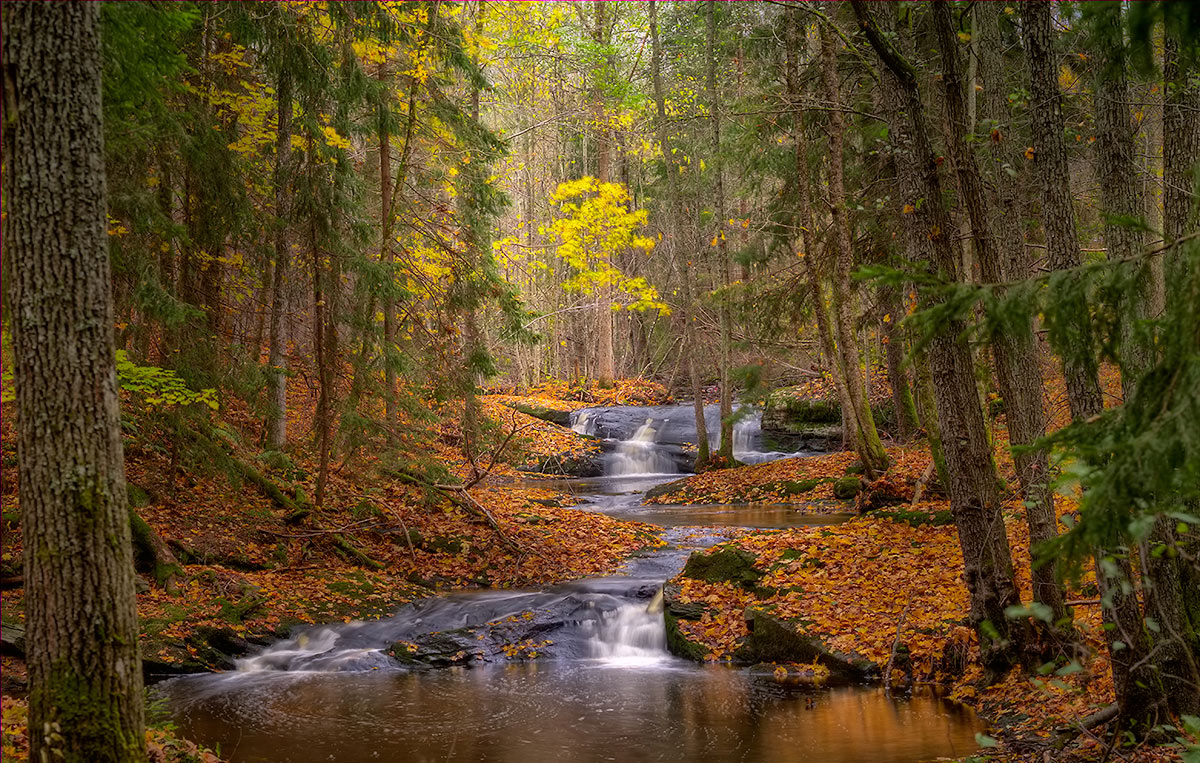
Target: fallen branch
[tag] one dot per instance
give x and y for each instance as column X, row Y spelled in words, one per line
column 920, row 488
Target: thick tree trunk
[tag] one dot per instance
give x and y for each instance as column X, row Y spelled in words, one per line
column 674, row 236
column 1018, row 371
column 725, row 448
column 1166, row 669
column 277, row 352
column 858, row 413
column 1124, row 631
column 85, row 700
column 974, row 498
column 1058, row 214
column 1121, row 195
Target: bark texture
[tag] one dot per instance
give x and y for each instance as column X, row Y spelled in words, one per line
column 1058, row 214
column 858, row 412
column 974, row 495
column 724, row 264
column 85, row 701
column 1018, row 369
column 277, row 352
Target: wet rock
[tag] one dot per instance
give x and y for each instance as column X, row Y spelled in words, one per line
column 784, row 411
column 775, row 640
column 437, row 650
column 674, row 610
column 12, row 638
column 724, row 565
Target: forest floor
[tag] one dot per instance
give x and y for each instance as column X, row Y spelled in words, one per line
column 247, row 576
column 890, row 576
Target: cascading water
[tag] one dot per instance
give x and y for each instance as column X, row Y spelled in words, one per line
column 584, row 424
column 631, row 635
column 641, row 454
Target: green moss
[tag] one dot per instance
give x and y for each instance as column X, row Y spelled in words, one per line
column 723, row 565
column 87, row 719
column 847, row 487
column 918, row 518
column 679, row 644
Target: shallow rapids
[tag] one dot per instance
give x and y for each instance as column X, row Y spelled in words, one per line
column 578, row 672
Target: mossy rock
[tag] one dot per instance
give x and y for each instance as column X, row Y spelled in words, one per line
column 457, row 647
column 847, row 487
column 918, row 518
column 785, row 412
column 724, row 565
column 666, row 489
column 674, row 610
column 775, row 640
column 794, row 487
column 442, row 544
column 562, row 418
column 856, row 468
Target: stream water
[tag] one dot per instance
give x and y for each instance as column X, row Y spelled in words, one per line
column 602, row 688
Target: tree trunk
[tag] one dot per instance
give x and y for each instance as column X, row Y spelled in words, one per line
column 674, row 234
column 808, row 235
column 1114, row 575
column 277, row 352
column 974, row 498
column 858, row 414
column 1121, row 195
column 725, row 448
column 85, row 699
column 385, row 249
column 605, row 317
column 1058, row 215
column 1018, row 372
column 893, row 339
column 1181, row 153
column 1151, row 680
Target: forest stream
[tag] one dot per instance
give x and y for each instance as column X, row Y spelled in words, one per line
column 593, row 680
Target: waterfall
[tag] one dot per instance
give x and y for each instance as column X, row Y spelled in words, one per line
column 632, row 634
column 584, row 424
column 641, row 454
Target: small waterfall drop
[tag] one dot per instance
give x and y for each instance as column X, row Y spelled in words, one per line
column 631, row 635
column 641, row 454
column 584, row 424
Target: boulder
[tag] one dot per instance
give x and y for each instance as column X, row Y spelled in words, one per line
column 436, row 650
column 775, row 640
column 586, row 465
column 847, row 487
column 723, row 565
column 674, row 610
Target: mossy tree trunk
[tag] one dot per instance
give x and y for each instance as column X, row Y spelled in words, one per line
column 85, row 700
column 849, row 361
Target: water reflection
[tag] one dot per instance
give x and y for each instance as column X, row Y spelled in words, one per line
column 555, row 711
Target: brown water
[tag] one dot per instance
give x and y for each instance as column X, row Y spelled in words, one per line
column 549, row 712
column 603, row 689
